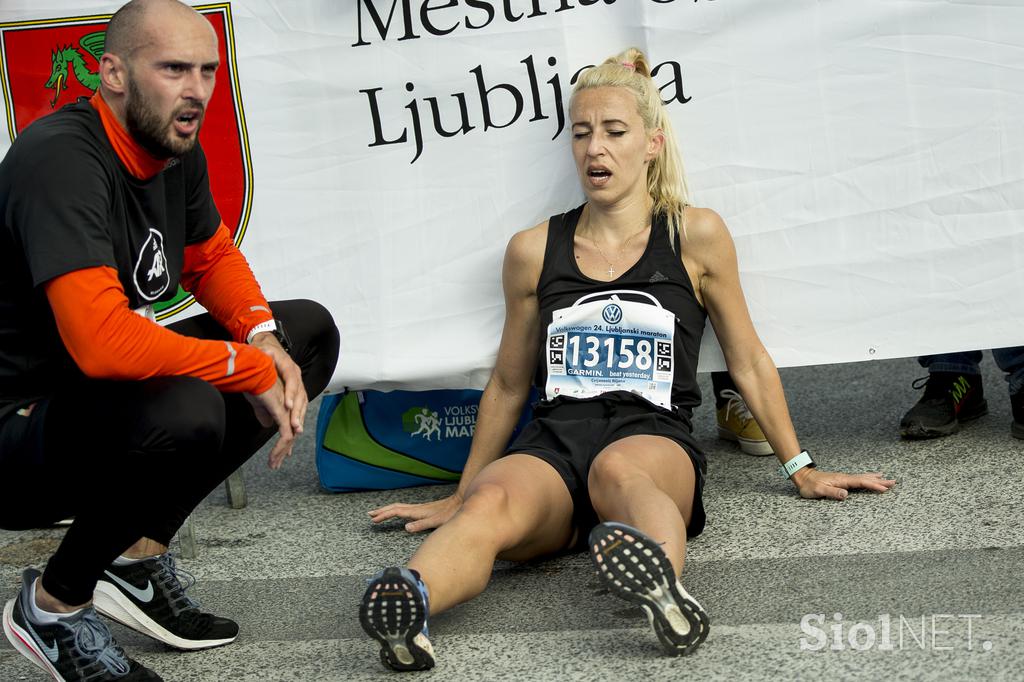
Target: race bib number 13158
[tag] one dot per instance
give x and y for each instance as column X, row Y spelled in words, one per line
column 607, row 345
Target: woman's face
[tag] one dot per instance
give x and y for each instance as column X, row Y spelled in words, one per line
column 609, row 144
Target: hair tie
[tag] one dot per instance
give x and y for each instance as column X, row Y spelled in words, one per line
column 629, row 65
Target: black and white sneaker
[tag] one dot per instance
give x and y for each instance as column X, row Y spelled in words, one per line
column 394, row 612
column 635, row 568
column 149, row 596
column 78, row 647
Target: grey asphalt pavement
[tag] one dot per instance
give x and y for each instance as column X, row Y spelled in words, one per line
column 924, row 582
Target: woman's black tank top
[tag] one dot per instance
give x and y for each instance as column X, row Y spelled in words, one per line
column 639, row 333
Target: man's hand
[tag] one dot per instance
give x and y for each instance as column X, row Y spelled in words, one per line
column 285, row 403
column 295, row 399
column 270, row 410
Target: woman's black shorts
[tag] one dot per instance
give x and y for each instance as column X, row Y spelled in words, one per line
column 568, row 434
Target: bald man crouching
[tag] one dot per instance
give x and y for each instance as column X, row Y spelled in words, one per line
column 105, row 415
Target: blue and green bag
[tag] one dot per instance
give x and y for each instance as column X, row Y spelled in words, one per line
column 373, row 440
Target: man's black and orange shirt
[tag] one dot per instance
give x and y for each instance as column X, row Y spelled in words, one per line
column 93, row 230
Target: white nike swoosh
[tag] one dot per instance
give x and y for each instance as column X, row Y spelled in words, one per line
column 145, row 596
column 51, row 650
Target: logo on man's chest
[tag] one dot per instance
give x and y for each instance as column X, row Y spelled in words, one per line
column 151, row 276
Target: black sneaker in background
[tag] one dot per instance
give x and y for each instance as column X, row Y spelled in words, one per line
column 949, row 400
column 1017, row 406
column 78, row 647
column 149, row 596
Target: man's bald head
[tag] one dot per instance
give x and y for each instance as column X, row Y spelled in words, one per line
column 131, row 26
column 158, row 73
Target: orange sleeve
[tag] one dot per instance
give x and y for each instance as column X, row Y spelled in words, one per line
column 109, row 341
column 217, row 274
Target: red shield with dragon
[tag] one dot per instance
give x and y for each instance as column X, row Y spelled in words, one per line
column 48, row 63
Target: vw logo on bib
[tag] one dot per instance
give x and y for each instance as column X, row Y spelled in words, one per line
column 612, row 314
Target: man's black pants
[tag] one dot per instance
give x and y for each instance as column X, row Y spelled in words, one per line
column 132, row 459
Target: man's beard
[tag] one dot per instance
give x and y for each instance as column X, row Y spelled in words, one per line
column 154, row 135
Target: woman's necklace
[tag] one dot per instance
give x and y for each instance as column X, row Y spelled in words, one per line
column 622, row 249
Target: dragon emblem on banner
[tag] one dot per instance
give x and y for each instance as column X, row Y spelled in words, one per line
column 70, row 58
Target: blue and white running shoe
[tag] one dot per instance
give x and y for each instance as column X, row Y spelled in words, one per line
column 394, row 612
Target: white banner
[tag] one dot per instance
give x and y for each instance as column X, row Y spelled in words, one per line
column 868, row 157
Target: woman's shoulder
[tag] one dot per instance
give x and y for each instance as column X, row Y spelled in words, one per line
column 704, row 233
column 524, row 259
column 703, row 223
column 527, row 246
column 707, row 245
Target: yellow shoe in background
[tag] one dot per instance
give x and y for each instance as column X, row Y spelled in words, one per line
column 735, row 423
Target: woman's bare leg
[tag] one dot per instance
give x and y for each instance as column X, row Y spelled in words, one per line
column 517, row 508
column 647, row 482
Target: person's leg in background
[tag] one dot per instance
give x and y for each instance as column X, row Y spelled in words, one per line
column 953, row 395
column 735, row 423
column 1011, row 361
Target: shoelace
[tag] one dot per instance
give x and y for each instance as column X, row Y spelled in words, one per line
column 94, row 640
column 177, row 581
column 934, row 390
column 736, row 402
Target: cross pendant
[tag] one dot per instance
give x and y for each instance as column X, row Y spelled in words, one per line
column 611, row 272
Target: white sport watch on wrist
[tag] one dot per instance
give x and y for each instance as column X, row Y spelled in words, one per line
column 796, row 464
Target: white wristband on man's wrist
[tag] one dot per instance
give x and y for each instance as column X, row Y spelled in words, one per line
column 267, row 326
column 796, row 464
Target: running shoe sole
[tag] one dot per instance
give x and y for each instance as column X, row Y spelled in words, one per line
column 393, row 613
column 25, row 644
column 758, row 448
column 112, row 603
column 637, row 570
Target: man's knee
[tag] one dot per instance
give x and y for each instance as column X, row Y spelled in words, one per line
column 314, row 339
column 316, row 315
column 181, row 414
column 308, row 322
